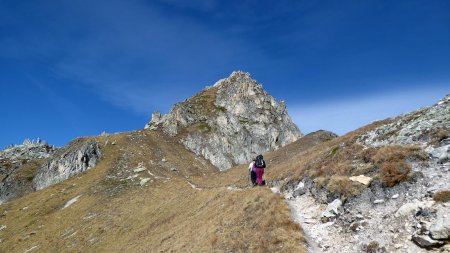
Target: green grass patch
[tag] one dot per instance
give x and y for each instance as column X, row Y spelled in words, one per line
column 204, row 127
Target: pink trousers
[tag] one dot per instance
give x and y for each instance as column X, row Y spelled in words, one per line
column 259, row 175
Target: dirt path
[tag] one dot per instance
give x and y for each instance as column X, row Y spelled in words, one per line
column 304, row 217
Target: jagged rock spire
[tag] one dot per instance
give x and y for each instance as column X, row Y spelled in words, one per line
column 230, row 122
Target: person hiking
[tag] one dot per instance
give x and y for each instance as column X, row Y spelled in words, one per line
column 252, row 172
column 260, row 165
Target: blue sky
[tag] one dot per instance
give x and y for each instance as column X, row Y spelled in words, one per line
column 76, row 68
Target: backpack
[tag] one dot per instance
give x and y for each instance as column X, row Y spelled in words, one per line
column 260, row 163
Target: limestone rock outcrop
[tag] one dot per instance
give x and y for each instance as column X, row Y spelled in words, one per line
column 429, row 125
column 76, row 157
column 230, row 122
column 18, row 164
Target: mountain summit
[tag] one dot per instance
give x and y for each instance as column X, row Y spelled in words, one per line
column 230, row 122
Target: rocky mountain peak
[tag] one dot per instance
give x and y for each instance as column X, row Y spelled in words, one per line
column 17, row 166
column 29, row 149
column 445, row 100
column 424, row 127
column 237, row 77
column 230, row 122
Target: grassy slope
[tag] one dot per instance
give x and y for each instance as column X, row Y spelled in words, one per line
column 331, row 163
column 114, row 215
column 286, row 157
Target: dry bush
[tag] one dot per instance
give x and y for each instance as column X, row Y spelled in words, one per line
column 372, row 247
column 438, row 135
column 441, row 134
column 332, row 165
column 341, row 168
column 320, row 181
column 213, row 239
column 366, row 154
column 391, row 161
column 397, row 153
column 442, row 196
column 392, row 173
column 344, row 185
column 389, row 154
column 364, row 168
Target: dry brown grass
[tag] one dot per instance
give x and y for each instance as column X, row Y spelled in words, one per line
column 372, row 247
column 441, row 134
column 330, row 164
column 344, row 186
column 442, row 196
column 391, row 161
column 435, row 136
column 397, row 153
column 392, row 173
column 167, row 215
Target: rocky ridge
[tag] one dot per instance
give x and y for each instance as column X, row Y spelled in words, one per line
column 18, row 164
column 230, row 122
column 76, row 157
column 411, row 216
column 424, row 127
column 29, row 149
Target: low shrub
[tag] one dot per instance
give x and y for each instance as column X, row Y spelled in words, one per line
column 442, row 196
column 441, row 134
column 344, row 185
column 394, row 172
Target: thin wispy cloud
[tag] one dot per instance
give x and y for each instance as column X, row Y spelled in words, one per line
column 342, row 116
column 117, row 61
column 124, row 51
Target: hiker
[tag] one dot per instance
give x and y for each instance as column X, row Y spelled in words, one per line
column 252, row 172
column 260, row 165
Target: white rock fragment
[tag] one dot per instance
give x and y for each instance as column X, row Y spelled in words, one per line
column 233, row 188
column 441, row 228
column 361, row 179
column 412, row 208
column 425, row 241
column 378, row 201
column 71, row 201
column 139, row 170
column 194, row 186
column 131, row 177
column 31, row 249
column 332, row 209
column 299, row 190
column 144, row 181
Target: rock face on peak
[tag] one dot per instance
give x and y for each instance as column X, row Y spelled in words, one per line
column 18, row 164
column 76, row 157
column 230, row 122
